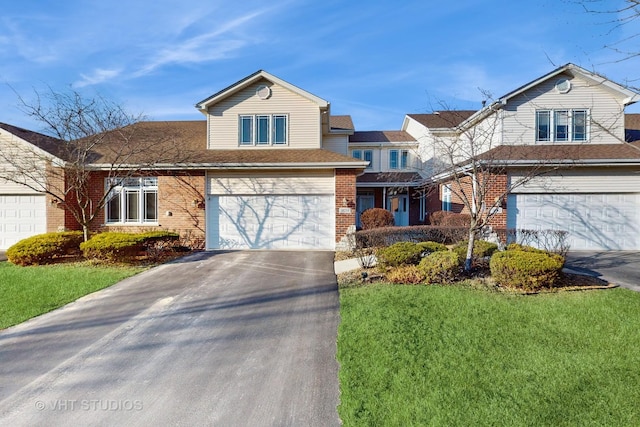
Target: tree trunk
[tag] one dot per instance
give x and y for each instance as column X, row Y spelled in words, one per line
column 85, row 232
column 469, row 258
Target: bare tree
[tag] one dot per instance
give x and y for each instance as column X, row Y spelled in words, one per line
column 82, row 137
column 472, row 162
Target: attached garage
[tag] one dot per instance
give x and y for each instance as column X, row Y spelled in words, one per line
column 271, row 210
column 600, row 210
column 21, row 216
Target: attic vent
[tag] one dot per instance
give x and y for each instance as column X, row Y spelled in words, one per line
column 263, row 92
column 563, row 86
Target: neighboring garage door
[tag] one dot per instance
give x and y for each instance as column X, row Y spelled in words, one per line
column 594, row 221
column 271, row 210
column 21, row 216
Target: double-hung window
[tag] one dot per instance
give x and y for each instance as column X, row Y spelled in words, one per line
column 366, row 155
column 132, row 200
column 446, row 197
column 262, row 129
column 398, row 159
column 562, row 125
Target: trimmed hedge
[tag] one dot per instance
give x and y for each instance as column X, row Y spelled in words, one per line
column 44, row 248
column 401, row 253
column 527, row 270
column 481, row 249
column 376, row 218
column 450, row 219
column 386, row 236
column 115, row 246
column 440, row 267
column 430, row 247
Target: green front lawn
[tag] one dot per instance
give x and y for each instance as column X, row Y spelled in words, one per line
column 26, row 292
column 456, row 356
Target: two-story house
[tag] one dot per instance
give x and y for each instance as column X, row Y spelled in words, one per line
column 564, row 158
column 255, row 174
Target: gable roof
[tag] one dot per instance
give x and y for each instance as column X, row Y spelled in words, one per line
column 442, row 119
column 381, row 136
column 249, row 80
column 341, row 123
column 629, row 96
column 48, row 144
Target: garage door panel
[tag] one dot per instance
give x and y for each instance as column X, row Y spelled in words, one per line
column 270, row 222
column 21, row 216
column 594, row 221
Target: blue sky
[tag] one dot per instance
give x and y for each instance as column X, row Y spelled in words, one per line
column 374, row 60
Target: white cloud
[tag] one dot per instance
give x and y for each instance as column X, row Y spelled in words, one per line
column 99, row 75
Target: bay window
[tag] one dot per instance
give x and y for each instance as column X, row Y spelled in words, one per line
column 132, row 200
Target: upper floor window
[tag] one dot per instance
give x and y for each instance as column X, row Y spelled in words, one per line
column 263, row 129
column 398, row 159
column 562, row 125
column 366, row 155
column 132, row 200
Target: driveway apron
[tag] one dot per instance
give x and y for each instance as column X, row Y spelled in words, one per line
column 235, row 338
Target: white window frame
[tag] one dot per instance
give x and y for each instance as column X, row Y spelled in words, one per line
column 423, row 206
column 124, row 188
column 401, row 160
column 446, row 197
column 263, row 129
column 366, row 155
column 557, row 119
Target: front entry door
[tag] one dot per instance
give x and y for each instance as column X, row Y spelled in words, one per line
column 399, row 207
column 363, row 202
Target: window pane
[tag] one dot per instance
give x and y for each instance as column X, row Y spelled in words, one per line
column 113, row 207
column 280, row 129
column 368, row 157
column 561, row 119
column 580, row 125
column 133, row 206
column 404, row 159
column 543, row 126
column 246, row 130
column 393, row 159
column 356, row 154
column 262, row 131
column 151, row 206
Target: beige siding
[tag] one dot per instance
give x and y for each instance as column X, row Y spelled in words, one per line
column 337, row 143
column 271, row 182
column 606, row 110
column 25, row 165
column 582, row 180
column 304, row 130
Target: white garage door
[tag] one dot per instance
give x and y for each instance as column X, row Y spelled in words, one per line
column 271, row 222
column 594, row 221
column 21, row 217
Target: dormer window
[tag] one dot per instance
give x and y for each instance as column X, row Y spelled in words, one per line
column 562, row 125
column 263, row 129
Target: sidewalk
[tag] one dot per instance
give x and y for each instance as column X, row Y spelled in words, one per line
column 349, row 265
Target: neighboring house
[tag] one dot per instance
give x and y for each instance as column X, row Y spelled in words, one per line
column 263, row 171
column 572, row 122
column 392, row 176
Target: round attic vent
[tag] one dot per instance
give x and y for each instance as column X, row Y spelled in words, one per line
column 263, row 92
column 563, row 86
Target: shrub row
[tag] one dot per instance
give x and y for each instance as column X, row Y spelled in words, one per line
column 386, row 236
column 44, row 248
column 109, row 246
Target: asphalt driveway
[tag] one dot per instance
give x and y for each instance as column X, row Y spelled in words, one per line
column 619, row 267
column 237, row 338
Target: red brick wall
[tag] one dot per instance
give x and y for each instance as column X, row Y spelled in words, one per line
column 55, row 212
column 345, row 190
column 497, row 185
